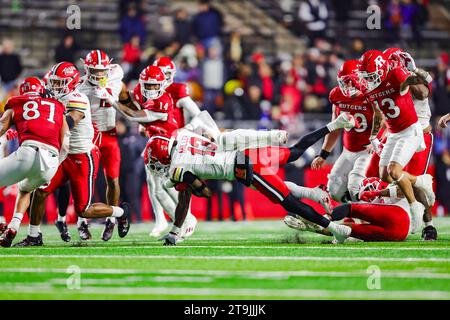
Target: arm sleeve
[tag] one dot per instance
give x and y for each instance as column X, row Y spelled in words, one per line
column 189, row 106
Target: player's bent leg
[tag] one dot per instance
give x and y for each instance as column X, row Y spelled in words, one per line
column 158, row 212
column 247, row 139
column 357, row 174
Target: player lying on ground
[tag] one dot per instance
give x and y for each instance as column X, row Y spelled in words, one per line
column 190, row 158
column 157, row 115
column 386, row 216
column 41, row 129
column 80, row 166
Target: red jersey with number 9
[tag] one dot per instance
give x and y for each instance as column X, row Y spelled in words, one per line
column 163, row 104
column 354, row 139
column 38, row 119
column 397, row 107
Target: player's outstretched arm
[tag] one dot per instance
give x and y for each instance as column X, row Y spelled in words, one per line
column 6, row 121
column 328, row 145
column 141, row 116
column 443, row 120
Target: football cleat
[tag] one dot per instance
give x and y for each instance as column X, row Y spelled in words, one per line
column 108, row 230
column 30, row 241
column 341, row 233
column 188, row 227
column 429, row 233
column 63, row 231
column 294, row 223
column 159, row 228
column 7, row 237
column 123, row 222
column 83, row 231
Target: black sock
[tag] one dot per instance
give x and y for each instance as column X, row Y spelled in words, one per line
column 305, row 142
column 295, row 206
column 341, row 212
column 63, row 198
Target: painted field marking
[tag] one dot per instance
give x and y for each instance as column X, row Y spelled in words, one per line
column 263, row 258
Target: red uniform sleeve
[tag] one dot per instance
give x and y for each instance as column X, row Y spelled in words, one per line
column 137, row 94
column 334, row 95
column 398, row 75
column 10, row 103
column 182, row 91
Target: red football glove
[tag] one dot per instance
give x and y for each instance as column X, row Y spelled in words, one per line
column 369, row 196
column 11, row 134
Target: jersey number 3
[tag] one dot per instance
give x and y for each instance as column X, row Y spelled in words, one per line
column 31, row 110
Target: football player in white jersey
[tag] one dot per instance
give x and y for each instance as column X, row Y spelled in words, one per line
column 103, row 82
column 189, row 158
column 79, row 166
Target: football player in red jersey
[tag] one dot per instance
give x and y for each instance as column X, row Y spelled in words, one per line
column 349, row 170
column 388, row 90
column 185, row 108
column 41, row 129
column 157, row 117
column 383, row 217
column 81, row 164
column 103, row 81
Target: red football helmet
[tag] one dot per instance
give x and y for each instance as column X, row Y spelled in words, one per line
column 97, row 65
column 62, row 79
column 158, row 149
column 371, row 187
column 168, row 68
column 153, row 82
column 393, row 55
column 32, row 85
column 373, row 69
column 347, row 78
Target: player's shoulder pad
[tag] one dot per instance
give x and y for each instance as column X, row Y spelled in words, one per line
column 77, row 100
column 335, row 95
column 116, row 72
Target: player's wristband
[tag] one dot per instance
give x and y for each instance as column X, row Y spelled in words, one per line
column 126, row 101
column 70, row 122
column 324, row 154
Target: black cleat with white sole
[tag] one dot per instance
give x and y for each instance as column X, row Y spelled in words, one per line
column 63, row 231
column 123, row 222
column 30, row 242
column 429, row 233
column 108, row 230
column 83, row 231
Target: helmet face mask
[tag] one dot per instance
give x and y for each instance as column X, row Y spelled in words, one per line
column 97, row 76
column 59, row 87
column 371, row 80
column 348, row 87
column 152, row 90
column 373, row 69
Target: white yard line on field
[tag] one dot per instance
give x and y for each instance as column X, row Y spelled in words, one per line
column 297, row 247
column 263, row 258
column 168, row 273
column 42, row 288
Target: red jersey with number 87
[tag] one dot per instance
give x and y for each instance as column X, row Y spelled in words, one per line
column 354, row 139
column 38, row 119
column 397, row 107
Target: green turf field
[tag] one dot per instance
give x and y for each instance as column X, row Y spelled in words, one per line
column 244, row 260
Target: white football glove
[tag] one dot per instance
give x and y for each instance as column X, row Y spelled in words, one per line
column 170, row 239
column 408, row 61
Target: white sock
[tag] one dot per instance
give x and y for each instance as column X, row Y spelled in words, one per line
column 393, row 192
column 80, row 221
column 112, row 219
column 419, row 182
column 33, row 231
column 61, row 218
column 429, row 223
column 15, row 221
column 117, row 212
column 302, row 192
column 332, row 227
